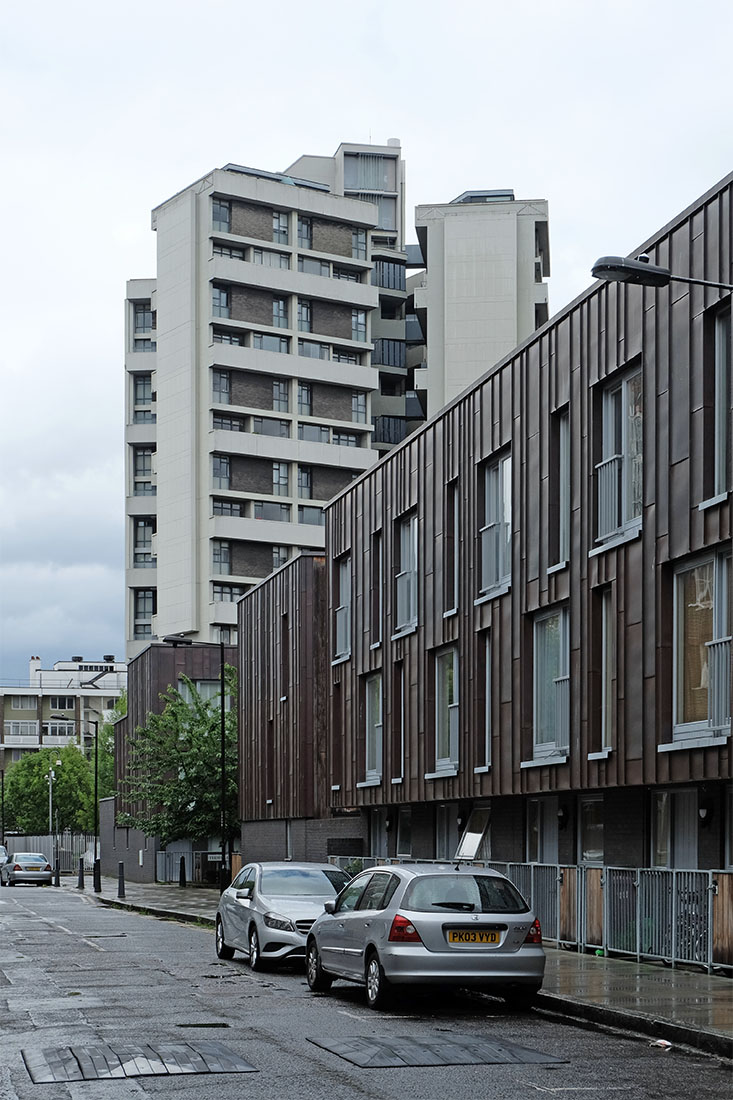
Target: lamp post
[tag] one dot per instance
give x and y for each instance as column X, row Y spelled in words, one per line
column 97, row 870
column 640, row 272
column 181, row 639
column 50, row 776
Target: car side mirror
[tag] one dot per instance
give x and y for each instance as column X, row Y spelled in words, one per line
column 329, row 906
column 244, row 893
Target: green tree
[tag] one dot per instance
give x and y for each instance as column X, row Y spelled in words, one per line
column 174, row 767
column 26, row 791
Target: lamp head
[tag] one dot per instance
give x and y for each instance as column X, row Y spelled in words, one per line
column 621, row 269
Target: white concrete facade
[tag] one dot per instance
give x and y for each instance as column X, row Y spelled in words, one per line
column 487, row 256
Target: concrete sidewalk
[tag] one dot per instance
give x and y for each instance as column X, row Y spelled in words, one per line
column 680, row 1006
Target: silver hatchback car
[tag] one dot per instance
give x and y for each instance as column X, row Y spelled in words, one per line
column 428, row 924
column 269, row 908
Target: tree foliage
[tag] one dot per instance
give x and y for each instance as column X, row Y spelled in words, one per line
column 174, row 767
column 26, row 792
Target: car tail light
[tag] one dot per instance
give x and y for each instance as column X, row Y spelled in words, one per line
column 17, row 867
column 535, row 933
column 403, row 931
column 48, row 867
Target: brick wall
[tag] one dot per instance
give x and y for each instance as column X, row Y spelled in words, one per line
column 250, row 220
column 331, row 237
column 251, row 475
column 251, row 390
column 251, row 305
column 624, row 834
column 333, row 402
column 311, row 839
column 251, row 559
column 507, row 830
column 327, row 482
column 331, row 319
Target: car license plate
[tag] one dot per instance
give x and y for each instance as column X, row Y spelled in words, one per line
column 471, row 935
column 33, row 867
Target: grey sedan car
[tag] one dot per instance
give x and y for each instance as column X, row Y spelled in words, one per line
column 269, row 908
column 428, row 924
column 26, row 867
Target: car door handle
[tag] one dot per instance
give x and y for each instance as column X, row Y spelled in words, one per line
column 367, row 923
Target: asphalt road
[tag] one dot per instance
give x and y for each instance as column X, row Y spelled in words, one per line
column 72, row 973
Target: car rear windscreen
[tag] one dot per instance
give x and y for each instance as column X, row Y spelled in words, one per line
column 462, row 893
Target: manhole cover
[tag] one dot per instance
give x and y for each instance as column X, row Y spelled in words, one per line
column 104, row 1060
column 378, row 1053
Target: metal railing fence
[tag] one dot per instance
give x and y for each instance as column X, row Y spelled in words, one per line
column 67, row 846
column 673, row 916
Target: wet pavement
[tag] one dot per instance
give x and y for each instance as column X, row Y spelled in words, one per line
column 674, row 1005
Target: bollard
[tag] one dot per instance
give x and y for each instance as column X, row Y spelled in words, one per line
column 80, row 880
column 57, row 873
column 97, row 876
column 120, row 880
column 182, row 872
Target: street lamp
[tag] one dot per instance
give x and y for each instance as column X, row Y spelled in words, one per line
column 181, row 639
column 622, row 269
column 50, row 776
column 97, row 870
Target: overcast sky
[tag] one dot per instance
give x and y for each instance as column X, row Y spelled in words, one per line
column 617, row 113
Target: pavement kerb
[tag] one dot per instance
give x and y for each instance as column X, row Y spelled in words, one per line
column 654, row 1027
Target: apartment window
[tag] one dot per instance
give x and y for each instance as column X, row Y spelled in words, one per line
column 314, row 433
column 221, row 336
column 377, row 581
column 389, row 275
column 496, row 531
column 305, row 399
column 227, row 593
column 221, row 556
column 144, row 529
column 280, row 555
column 280, row 396
column 559, row 481
column 305, row 482
column 305, row 233
column 358, row 244
column 542, row 828
column 451, row 542
column 341, row 355
column 608, row 667
column 486, row 762
column 227, row 507
column 264, row 425
column 279, row 227
column 389, row 353
column 717, row 442
column 345, row 439
column 144, row 318
column 61, row 702
column 266, row 258
column 358, row 324
column 398, row 720
column 347, row 274
column 280, row 479
column 143, row 472
column 310, row 266
column 221, row 301
column 619, row 474
column 590, row 829
column 551, row 683
column 221, row 387
column 144, row 345
column 406, row 574
column 312, row 515
column 312, row 350
column 446, row 710
column 373, row 731
column 228, row 423
column 359, row 408
column 304, row 315
column 280, row 312
column 20, row 702
column 342, row 602
column 702, row 643
column 229, row 251
column 143, row 399
column 221, row 470
column 267, row 509
column 221, row 215
column 263, row 341
column 143, row 611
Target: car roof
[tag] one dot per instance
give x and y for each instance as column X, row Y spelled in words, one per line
column 416, row 869
column 289, row 865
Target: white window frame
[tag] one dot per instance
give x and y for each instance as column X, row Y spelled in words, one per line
column 221, row 471
column 221, row 558
column 608, row 667
column 721, row 411
column 281, row 479
column 715, row 667
column 552, row 714
column 406, row 611
column 615, row 473
column 342, row 631
column 496, row 533
column 446, row 710
column 373, row 708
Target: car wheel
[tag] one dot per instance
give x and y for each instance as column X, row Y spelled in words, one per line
column 255, row 959
column 521, row 1000
column 223, row 950
column 318, row 980
column 377, row 986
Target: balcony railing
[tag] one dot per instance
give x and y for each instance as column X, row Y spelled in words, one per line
column 719, row 679
column 562, row 711
column 608, row 474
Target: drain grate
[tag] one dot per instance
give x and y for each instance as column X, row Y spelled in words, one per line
column 380, row 1053
column 102, row 1061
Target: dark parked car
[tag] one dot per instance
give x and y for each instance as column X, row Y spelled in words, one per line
column 26, row 867
column 269, row 907
column 428, row 924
